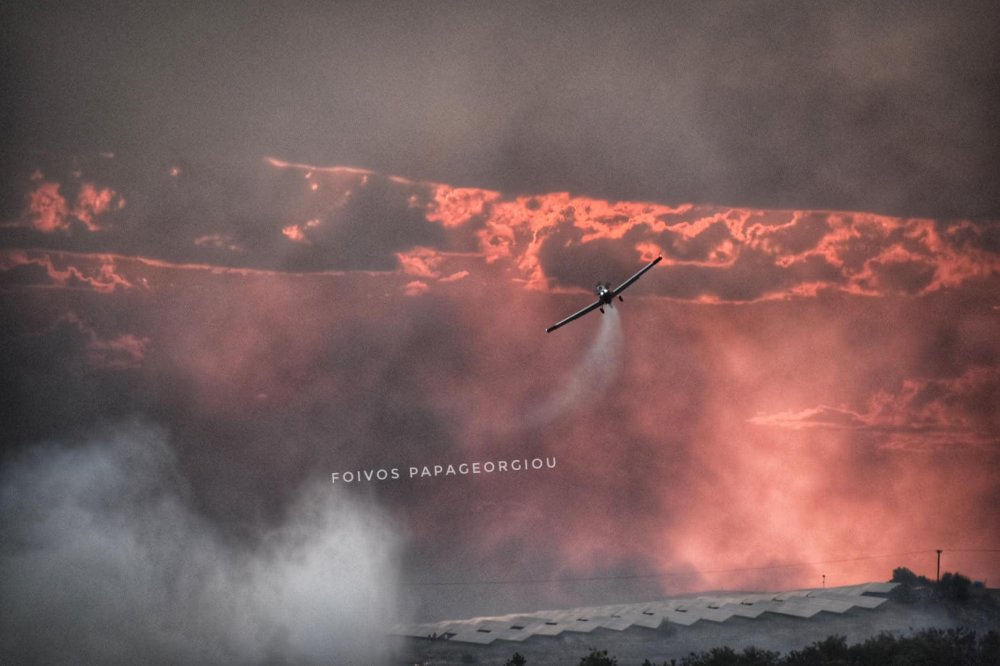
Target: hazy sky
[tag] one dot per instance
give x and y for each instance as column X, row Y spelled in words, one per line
column 245, row 246
column 882, row 107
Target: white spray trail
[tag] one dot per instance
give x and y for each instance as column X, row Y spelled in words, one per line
column 591, row 377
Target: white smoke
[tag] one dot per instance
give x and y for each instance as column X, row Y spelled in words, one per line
column 591, row 377
column 103, row 560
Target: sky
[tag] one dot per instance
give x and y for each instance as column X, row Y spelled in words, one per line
column 259, row 260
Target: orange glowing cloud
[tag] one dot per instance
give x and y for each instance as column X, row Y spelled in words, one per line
column 49, row 212
column 299, row 233
column 456, row 276
column 47, row 208
column 101, row 276
column 923, row 413
column 93, row 202
column 455, row 206
column 311, row 170
column 415, row 288
column 868, row 254
column 712, row 254
column 125, row 351
column 429, row 264
column 421, row 262
column 220, row 241
column 814, row 417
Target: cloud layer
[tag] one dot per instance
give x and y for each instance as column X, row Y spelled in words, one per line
column 846, row 107
column 300, row 218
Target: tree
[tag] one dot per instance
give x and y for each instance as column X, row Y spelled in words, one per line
column 596, row 658
column 516, row 660
column 954, row 586
column 726, row 656
column 831, row 651
column 907, row 577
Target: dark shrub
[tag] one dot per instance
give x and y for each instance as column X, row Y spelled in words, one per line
column 596, row 658
column 954, row 586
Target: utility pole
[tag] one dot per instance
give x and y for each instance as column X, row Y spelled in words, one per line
column 938, row 579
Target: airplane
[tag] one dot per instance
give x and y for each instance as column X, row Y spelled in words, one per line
column 605, row 296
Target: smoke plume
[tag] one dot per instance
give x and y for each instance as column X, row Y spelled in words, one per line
column 105, row 560
column 588, row 381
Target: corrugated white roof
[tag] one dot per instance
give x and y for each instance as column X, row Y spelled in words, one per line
column 681, row 611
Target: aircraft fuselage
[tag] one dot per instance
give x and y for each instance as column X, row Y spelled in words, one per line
column 605, row 296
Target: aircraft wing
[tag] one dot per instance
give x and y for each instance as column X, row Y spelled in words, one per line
column 572, row 317
column 628, row 283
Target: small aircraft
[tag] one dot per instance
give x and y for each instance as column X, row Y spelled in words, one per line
column 605, row 296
